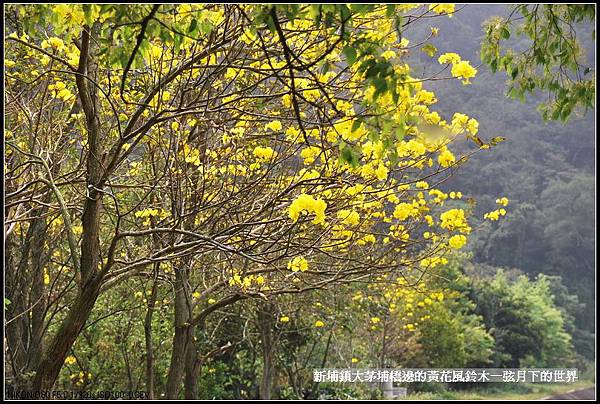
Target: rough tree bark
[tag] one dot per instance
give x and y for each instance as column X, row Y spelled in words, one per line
column 183, row 334
column 148, row 335
column 91, row 278
column 265, row 326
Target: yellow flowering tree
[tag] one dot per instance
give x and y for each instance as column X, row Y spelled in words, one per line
column 234, row 152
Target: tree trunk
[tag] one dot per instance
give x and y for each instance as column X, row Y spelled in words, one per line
column 265, row 325
column 55, row 355
column 37, row 299
column 148, row 336
column 182, row 335
column 192, row 367
column 16, row 329
column 25, row 290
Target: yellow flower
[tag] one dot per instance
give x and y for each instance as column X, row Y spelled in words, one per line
column 355, row 360
column 345, row 129
column 449, row 57
column 319, row 324
column 404, row 210
column 473, row 126
column 274, row 126
column 293, row 135
column 298, row 264
column 184, row 9
column 389, row 54
column 368, row 238
column 457, row 241
column 495, row 215
column 454, row 219
column 502, row 201
column 248, row 37
column 309, row 154
column 284, row 319
column 465, row 70
column 70, row 360
column 444, row 8
column 381, row 172
column 71, row 14
column 308, row 204
column 211, row 301
column 264, row 154
column 446, row 158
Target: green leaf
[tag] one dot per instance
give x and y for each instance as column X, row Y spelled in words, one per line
column 350, row 54
column 566, row 112
column 494, row 65
column 381, row 86
column 390, row 9
column 345, row 12
column 514, row 72
column 123, row 58
column 349, row 156
column 193, row 25
column 429, row 49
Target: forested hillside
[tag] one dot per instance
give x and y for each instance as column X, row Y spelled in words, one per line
column 547, row 169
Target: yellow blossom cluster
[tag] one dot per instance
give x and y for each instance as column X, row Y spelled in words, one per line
column 70, row 360
column 264, row 154
column 454, row 219
column 460, row 68
column 298, row 264
column 495, row 214
column 457, row 241
column 405, row 210
column 245, row 282
column 443, row 8
column 148, row 213
column 446, row 158
column 349, row 217
column 307, row 204
column 502, row 201
column 60, row 90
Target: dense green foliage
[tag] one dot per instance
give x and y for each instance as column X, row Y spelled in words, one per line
column 549, row 57
column 527, row 327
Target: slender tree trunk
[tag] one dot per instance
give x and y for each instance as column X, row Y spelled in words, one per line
column 25, row 290
column 16, row 329
column 181, row 337
column 91, row 277
column 265, row 325
column 37, row 299
column 55, row 355
column 148, row 336
column 192, row 367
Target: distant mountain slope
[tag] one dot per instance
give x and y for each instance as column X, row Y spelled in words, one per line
column 547, row 170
